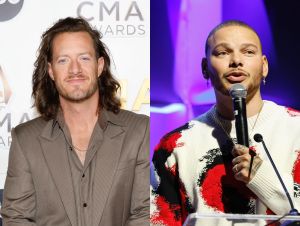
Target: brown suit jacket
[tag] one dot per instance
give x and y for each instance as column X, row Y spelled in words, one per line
column 38, row 188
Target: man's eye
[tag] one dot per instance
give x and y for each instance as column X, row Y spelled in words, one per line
column 249, row 52
column 85, row 58
column 221, row 53
column 61, row 61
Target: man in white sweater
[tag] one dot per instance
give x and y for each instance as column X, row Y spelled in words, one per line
column 200, row 168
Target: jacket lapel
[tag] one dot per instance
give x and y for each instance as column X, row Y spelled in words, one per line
column 53, row 144
column 106, row 165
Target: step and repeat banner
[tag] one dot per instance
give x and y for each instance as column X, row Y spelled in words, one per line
column 125, row 26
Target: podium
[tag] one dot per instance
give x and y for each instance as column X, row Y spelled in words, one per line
column 198, row 219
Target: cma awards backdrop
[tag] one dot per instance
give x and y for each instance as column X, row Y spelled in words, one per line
column 125, row 26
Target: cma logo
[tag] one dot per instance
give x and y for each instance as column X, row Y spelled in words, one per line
column 110, row 10
column 5, row 91
column 9, row 9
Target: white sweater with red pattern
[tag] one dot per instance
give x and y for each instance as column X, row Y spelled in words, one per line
column 192, row 169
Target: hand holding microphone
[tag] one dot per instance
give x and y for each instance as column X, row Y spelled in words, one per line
column 242, row 162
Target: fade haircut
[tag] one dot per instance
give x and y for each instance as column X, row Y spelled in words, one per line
column 228, row 24
column 44, row 92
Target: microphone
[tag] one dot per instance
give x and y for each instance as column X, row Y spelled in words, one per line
column 293, row 212
column 238, row 94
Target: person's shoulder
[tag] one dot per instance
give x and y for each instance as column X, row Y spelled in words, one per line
column 34, row 125
column 178, row 130
column 187, row 131
column 292, row 112
column 286, row 110
column 203, row 118
column 186, row 127
column 128, row 117
column 282, row 115
column 292, row 117
column 171, row 139
column 126, row 113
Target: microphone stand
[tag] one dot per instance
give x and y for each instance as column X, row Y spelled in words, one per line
column 293, row 212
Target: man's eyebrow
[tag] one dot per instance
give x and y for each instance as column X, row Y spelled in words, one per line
column 79, row 54
column 223, row 44
column 62, row 55
column 85, row 53
column 226, row 45
column 249, row 45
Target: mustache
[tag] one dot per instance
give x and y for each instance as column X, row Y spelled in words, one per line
column 78, row 75
column 237, row 72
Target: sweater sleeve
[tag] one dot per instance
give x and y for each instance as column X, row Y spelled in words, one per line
column 269, row 190
column 167, row 195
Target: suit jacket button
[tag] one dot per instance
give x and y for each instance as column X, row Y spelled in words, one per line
column 84, row 204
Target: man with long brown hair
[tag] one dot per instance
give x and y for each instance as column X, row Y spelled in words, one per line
column 84, row 161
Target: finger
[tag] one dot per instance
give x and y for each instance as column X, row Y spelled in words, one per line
column 242, row 166
column 256, row 164
column 241, row 158
column 239, row 150
column 241, row 172
column 240, row 176
column 235, row 169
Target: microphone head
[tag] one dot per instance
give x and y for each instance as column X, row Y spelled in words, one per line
column 258, row 137
column 238, row 91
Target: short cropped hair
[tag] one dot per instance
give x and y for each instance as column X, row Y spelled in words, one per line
column 228, row 24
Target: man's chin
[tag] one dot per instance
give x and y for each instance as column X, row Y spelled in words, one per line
column 245, row 84
column 76, row 97
column 224, row 91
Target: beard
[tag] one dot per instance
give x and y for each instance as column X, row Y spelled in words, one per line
column 223, row 87
column 78, row 95
column 219, row 85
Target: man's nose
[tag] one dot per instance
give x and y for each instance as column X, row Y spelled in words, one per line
column 236, row 60
column 75, row 68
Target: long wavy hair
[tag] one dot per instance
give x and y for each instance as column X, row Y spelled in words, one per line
column 44, row 92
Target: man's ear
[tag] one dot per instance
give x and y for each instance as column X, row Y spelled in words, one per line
column 204, row 68
column 50, row 71
column 265, row 66
column 100, row 65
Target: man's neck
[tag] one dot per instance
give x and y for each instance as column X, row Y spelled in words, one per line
column 225, row 107
column 80, row 115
